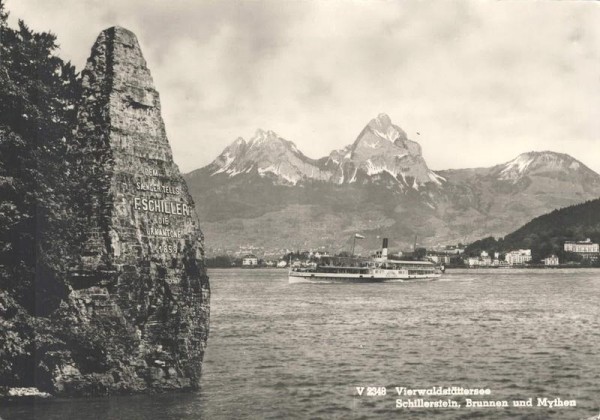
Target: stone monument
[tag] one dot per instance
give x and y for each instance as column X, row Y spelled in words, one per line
column 140, row 294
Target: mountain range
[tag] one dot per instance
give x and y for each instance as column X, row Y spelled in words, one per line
column 265, row 192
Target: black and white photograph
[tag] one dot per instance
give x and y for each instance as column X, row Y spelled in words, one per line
column 299, row 209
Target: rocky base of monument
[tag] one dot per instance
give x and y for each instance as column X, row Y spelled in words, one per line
column 74, row 353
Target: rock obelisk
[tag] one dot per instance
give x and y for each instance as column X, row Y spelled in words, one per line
column 140, row 294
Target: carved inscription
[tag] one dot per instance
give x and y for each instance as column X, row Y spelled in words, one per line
column 161, row 206
column 160, row 202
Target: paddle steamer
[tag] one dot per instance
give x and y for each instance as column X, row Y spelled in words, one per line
column 378, row 269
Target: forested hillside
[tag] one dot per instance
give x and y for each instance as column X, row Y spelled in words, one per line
column 546, row 234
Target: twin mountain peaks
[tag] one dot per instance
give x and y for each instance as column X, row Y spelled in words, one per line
column 379, row 184
column 382, row 149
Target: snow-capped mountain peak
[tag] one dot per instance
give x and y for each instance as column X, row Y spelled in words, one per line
column 382, row 126
column 267, row 154
column 263, row 136
column 382, row 149
column 540, row 162
column 516, row 167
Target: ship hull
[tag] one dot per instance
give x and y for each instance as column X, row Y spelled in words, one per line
column 315, row 277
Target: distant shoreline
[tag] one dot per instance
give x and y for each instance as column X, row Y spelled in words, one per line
column 561, row 267
column 454, row 269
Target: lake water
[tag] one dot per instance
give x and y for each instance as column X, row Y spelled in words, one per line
column 279, row 351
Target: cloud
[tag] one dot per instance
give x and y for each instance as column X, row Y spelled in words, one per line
column 481, row 81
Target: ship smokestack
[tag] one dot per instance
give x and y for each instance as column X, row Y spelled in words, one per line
column 384, row 249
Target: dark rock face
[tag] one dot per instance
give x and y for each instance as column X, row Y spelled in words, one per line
column 136, row 317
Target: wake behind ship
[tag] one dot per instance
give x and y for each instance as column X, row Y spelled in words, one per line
column 366, row 270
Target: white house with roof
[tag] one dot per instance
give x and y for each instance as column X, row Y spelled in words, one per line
column 438, row 257
column 518, row 257
column 587, row 249
column 250, row 260
column 552, row 260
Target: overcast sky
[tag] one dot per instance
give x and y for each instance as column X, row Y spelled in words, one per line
column 480, row 81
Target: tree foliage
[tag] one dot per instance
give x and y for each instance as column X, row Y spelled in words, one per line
column 220, row 261
column 38, row 91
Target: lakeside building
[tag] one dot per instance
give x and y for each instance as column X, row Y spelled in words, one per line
column 473, row 261
column 587, row 249
column 318, row 254
column 518, row 257
column 552, row 260
column 484, row 260
column 496, row 261
column 250, row 260
column 303, row 264
column 439, row 257
column 453, row 250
